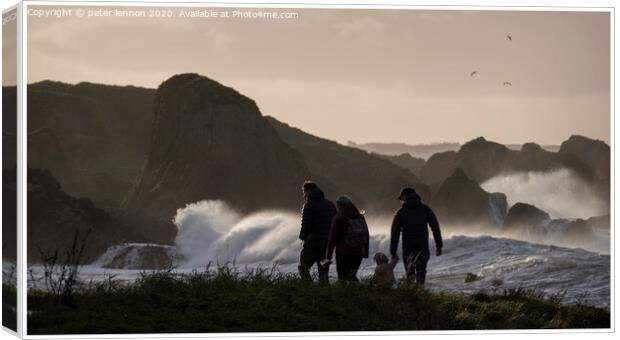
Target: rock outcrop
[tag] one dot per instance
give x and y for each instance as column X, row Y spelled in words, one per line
column 482, row 160
column 460, row 200
column 438, row 167
column 525, row 215
column 139, row 256
column 210, row 142
column 596, row 154
column 54, row 217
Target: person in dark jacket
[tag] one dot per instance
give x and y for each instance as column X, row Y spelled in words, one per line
column 349, row 236
column 316, row 217
column 413, row 220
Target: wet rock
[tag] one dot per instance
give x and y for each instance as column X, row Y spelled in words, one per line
column 139, row 256
column 471, row 277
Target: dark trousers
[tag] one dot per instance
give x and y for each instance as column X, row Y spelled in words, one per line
column 307, row 258
column 347, row 266
column 415, row 261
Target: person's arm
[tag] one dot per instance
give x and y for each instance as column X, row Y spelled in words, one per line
column 333, row 237
column 306, row 222
column 393, row 262
column 434, row 224
column 395, row 234
column 367, row 249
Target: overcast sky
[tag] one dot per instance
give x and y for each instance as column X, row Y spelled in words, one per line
column 9, row 48
column 363, row 75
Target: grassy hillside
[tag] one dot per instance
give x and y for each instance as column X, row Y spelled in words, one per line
column 263, row 302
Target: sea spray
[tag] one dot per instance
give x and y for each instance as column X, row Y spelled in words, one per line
column 210, row 231
column 560, row 193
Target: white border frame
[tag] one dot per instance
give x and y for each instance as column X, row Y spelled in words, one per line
column 345, row 4
column 17, row 8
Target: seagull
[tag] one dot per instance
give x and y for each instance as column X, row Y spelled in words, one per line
column 507, row 83
column 509, row 37
column 473, row 73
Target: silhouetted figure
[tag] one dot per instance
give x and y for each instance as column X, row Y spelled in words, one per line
column 384, row 271
column 316, row 217
column 349, row 236
column 412, row 220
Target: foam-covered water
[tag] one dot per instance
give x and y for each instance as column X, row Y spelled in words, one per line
column 210, row 231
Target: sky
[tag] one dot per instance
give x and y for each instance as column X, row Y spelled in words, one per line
column 9, row 48
column 360, row 75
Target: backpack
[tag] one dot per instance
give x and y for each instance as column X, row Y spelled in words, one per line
column 356, row 235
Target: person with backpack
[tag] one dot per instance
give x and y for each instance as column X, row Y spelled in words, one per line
column 413, row 220
column 316, row 217
column 350, row 237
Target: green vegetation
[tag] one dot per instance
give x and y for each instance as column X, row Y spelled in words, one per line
column 9, row 307
column 263, row 301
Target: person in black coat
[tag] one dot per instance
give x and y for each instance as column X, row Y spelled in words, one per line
column 316, row 218
column 413, row 220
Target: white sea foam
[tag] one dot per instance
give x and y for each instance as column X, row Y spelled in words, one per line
column 560, row 193
column 210, row 231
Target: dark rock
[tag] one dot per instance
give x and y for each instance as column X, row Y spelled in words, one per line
column 496, row 282
column 600, row 222
column 460, row 200
column 482, row 160
column 498, row 208
column 139, row 256
column 570, row 229
column 471, row 277
column 527, row 219
column 438, row 167
column 54, row 217
column 210, row 142
column 596, row 153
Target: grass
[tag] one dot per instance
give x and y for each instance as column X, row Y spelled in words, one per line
column 9, row 307
column 263, row 301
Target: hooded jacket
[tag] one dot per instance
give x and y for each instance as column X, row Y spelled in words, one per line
column 316, row 218
column 413, row 220
column 338, row 233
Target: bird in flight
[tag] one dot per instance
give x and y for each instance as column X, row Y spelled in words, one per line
column 507, row 83
column 509, row 37
column 473, row 73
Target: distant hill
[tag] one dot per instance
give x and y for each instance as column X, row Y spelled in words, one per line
column 371, row 181
column 406, row 161
column 93, row 138
column 482, row 160
column 423, row 151
column 548, row 147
